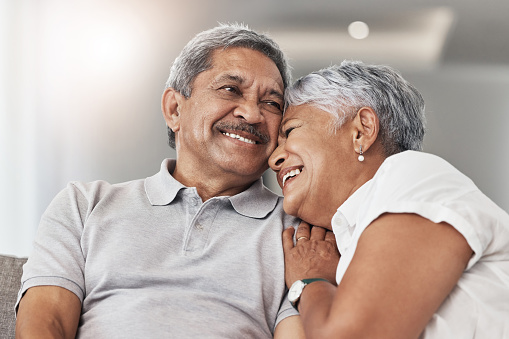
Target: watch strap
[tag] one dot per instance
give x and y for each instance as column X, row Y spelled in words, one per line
column 306, row 282
column 309, row 281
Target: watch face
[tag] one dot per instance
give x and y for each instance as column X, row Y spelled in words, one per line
column 295, row 291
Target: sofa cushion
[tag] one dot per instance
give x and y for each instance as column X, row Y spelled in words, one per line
column 10, row 281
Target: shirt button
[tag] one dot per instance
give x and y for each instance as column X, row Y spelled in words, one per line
column 199, row 227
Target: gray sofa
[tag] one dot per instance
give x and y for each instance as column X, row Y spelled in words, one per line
column 10, row 280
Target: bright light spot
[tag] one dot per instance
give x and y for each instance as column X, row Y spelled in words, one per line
column 108, row 47
column 358, row 30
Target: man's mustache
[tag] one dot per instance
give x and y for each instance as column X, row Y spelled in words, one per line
column 244, row 127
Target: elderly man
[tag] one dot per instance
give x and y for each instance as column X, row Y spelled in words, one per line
column 195, row 250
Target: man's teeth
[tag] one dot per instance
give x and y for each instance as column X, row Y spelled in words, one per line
column 290, row 174
column 238, row 137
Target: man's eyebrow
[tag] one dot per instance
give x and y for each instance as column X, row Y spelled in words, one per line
column 227, row 78
column 240, row 80
column 278, row 94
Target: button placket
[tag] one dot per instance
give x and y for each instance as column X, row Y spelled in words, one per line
column 193, row 208
column 342, row 231
column 200, row 226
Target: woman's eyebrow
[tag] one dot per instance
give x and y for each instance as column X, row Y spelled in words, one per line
column 283, row 123
column 285, row 120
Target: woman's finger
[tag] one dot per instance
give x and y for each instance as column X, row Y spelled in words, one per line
column 288, row 239
column 329, row 236
column 317, row 233
column 303, row 232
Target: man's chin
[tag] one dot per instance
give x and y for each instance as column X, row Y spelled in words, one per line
column 246, row 171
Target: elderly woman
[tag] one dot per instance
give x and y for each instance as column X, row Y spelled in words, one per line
column 423, row 252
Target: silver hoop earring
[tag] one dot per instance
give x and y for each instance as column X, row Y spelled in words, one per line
column 361, row 157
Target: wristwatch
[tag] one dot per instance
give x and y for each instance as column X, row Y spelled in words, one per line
column 297, row 288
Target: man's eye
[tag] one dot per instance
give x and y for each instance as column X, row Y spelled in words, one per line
column 275, row 104
column 231, row 89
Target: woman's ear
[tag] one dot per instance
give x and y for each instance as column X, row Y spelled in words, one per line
column 170, row 105
column 367, row 128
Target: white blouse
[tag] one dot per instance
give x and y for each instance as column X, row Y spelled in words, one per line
column 424, row 184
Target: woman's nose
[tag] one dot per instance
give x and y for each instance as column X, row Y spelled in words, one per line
column 277, row 158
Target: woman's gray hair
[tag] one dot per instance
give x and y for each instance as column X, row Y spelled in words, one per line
column 343, row 90
column 196, row 56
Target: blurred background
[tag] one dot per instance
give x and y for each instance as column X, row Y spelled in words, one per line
column 81, row 82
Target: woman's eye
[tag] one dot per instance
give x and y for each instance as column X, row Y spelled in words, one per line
column 288, row 130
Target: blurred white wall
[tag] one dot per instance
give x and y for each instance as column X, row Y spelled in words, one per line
column 80, row 90
column 468, row 117
column 79, row 100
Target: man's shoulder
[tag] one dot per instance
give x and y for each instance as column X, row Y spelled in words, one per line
column 100, row 189
column 103, row 185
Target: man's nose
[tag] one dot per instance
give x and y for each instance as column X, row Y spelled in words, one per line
column 250, row 111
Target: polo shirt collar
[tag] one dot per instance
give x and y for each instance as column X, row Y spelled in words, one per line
column 255, row 202
column 162, row 188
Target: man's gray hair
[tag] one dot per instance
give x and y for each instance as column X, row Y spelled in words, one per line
column 343, row 90
column 196, row 56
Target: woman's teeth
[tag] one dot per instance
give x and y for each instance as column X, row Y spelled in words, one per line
column 290, row 174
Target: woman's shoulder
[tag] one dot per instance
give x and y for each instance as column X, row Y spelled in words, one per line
column 412, row 166
column 418, row 176
column 418, row 159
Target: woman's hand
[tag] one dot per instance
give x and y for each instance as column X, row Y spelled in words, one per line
column 315, row 254
column 403, row 269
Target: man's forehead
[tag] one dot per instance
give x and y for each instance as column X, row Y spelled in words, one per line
column 237, row 55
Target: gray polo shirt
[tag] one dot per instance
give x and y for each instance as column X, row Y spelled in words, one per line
column 148, row 259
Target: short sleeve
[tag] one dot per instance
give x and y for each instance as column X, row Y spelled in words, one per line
column 57, row 258
column 429, row 186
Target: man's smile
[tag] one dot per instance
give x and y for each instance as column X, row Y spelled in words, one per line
column 243, row 132
column 238, row 137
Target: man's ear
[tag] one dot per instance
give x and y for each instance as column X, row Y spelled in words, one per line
column 170, row 105
column 367, row 127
